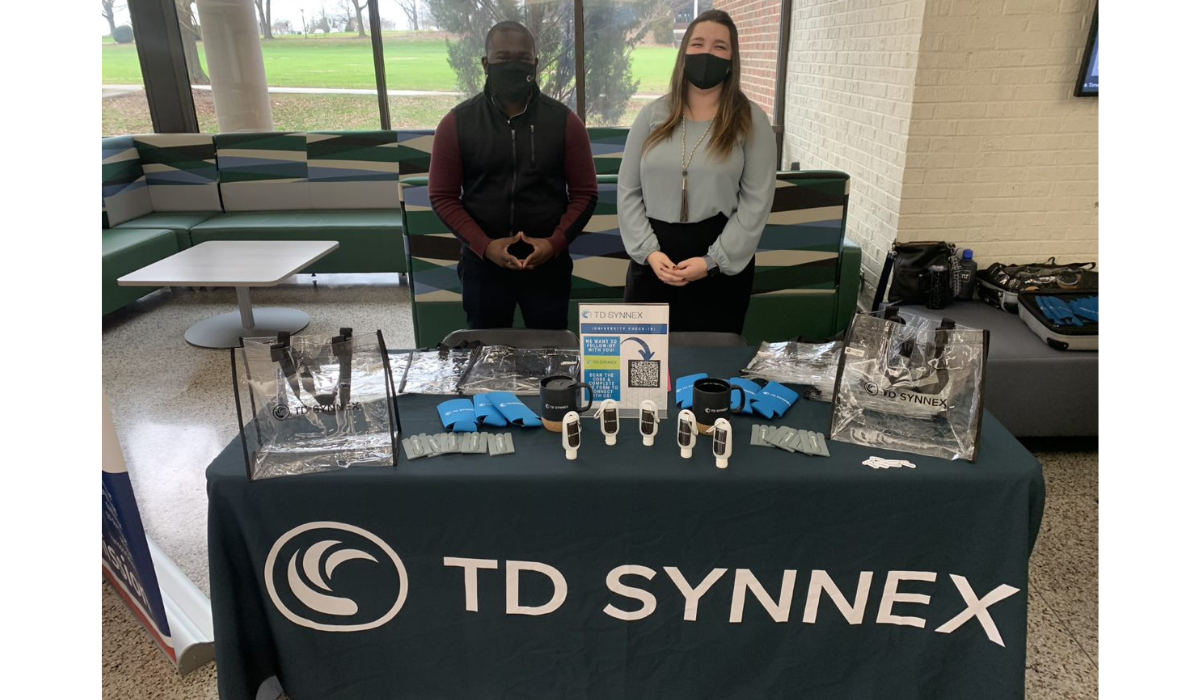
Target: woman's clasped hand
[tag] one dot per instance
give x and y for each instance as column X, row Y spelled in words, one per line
column 677, row 275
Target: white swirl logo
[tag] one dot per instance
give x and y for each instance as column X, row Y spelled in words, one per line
column 305, row 560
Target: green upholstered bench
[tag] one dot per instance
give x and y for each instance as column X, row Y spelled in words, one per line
column 126, row 250
column 160, row 181
column 369, row 240
column 806, row 274
column 174, row 172
column 341, row 186
column 179, row 222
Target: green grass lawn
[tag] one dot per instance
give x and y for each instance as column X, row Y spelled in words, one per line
column 652, row 65
column 343, row 61
column 129, row 113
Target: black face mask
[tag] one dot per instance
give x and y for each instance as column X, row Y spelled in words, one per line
column 704, row 70
column 511, row 81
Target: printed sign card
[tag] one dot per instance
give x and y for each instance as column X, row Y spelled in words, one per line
column 623, row 348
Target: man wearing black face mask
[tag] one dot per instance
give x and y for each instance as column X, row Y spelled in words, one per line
column 512, row 177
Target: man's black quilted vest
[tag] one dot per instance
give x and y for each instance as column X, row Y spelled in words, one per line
column 513, row 176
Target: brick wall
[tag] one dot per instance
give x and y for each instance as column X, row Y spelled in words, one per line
column 758, row 38
column 1002, row 157
column 956, row 121
column 852, row 66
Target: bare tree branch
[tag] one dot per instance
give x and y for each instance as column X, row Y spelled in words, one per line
column 264, row 18
column 109, row 12
column 412, row 10
column 358, row 14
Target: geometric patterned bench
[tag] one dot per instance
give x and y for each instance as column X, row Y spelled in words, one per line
column 339, row 185
column 363, row 188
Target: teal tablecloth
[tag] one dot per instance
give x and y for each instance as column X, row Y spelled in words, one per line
column 306, row 581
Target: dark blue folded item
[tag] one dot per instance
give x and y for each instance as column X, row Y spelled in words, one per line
column 750, row 387
column 683, row 389
column 488, row 414
column 514, row 410
column 774, row 400
column 458, row 415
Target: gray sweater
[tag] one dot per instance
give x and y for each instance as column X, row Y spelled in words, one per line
column 741, row 187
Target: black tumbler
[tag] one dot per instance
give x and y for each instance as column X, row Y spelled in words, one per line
column 939, row 287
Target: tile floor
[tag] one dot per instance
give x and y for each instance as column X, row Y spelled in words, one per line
column 173, row 409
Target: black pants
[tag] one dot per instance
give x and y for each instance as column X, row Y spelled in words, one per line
column 491, row 293
column 716, row 303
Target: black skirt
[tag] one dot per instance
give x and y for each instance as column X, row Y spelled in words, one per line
column 716, row 303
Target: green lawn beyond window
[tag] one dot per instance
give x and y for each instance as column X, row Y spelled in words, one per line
column 340, row 61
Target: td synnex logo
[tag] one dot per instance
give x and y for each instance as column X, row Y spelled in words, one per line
column 300, row 570
column 615, row 315
column 306, row 556
column 283, row 412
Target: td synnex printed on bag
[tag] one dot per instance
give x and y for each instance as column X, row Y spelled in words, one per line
column 908, row 384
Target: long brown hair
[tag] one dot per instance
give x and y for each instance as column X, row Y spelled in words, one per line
column 732, row 122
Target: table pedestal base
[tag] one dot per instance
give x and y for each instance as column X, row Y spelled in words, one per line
column 226, row 330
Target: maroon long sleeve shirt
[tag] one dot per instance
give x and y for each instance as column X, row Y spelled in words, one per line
column 486, row 164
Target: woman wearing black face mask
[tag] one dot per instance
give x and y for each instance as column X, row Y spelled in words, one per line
column 696, row 185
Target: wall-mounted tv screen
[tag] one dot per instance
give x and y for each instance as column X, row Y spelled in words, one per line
column 1089, row 72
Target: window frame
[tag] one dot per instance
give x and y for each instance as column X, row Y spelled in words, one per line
column 169, row 91
column 164, row 68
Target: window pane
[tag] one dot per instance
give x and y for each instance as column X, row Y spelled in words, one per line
column 631, row 46
column 193, row 52
column 434, row 63
column 651, row 31
column 123, row 105
column 320, row 72
column 422, row 85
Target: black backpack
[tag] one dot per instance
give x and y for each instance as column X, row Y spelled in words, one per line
column 908, row 265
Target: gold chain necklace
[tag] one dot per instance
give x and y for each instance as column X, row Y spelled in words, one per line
column 685, row 160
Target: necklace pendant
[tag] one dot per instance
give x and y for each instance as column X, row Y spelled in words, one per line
column 683, row 201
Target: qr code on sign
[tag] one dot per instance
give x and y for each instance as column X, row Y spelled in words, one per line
column 644, row 374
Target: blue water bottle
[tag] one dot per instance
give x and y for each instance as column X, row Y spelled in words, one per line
column 967, row 270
